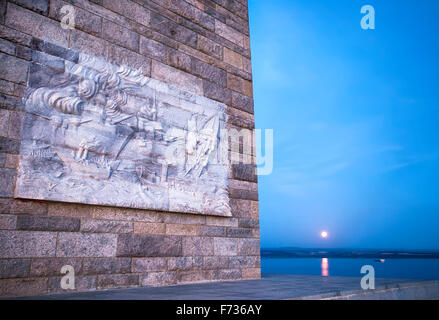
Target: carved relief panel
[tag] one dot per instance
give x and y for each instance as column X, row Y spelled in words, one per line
column 99, row 133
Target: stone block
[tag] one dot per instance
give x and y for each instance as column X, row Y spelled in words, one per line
column 149, row 228
column 124, row 214
column 8, row 222
column 229, row 33
column 246, row 42
column 238, row 8
column 129, row 9
column 238, row 24
column 158, row 279
column 37, row 25
column 246, row 172
column 191, row 13
column 239, row 232
column 82, row 283
column 178, row 218
column 10, row 102
column 13, row 69
column 240, row 262
column 248, row 88
column 58, row 209
column 249, row 223
column 23, row 287
column 233, row 58
column 210, row 47
column 120, row 35
column 11, row 161
column 24, row 52
column 51, row 267
column 72, row 244
column 144, row 265
column 153, row 49
column 243, row 194
column 96, row 8
column 216, row 262
column 84, row 20
column 249, row 247
column 14, row 268
column 226, row 246
column 117, row 280
column 2, row 11
column 234, row 82
column 139, row 245
column 185, row 263
column 8, row 146
column 19, row 90
column 197, row 246
column 251, row 273
column 172, row 30
column 7, row 47
column 51, row 61
column 23, row 244
column 54, row 50
column 180, row 60
column 193, row 276
column 239, row 84
column 182, row 230
column 242, row 102
column 37, row 223
column 86, row 43
column 5, row 204
column 209, row 72
column 7, row 88
column 212, row 231
column 2, row 159
column 29, row 207
column 106, row 226
column 213, row 11
column 40, row 6
column 247, row 65
column 216, row 92
column 227, row 274
column 106, row 265
column 7, row 182
column 14, row 36
column 4, row 122
column 221, row 222
column 177, row 77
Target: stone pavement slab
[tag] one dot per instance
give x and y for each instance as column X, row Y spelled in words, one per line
column 269, row 287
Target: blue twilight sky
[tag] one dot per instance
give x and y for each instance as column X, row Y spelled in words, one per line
column 356, row 122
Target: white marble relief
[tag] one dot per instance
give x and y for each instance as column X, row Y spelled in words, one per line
column 107, row 135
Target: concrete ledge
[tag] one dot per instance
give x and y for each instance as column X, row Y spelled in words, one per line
column 424, row 290
column 269, row 287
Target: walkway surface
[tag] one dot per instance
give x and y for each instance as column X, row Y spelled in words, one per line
column 270, row 287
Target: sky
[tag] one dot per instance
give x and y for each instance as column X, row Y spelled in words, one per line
column 355, row 115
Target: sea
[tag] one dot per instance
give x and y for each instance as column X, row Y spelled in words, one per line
column 400, row 265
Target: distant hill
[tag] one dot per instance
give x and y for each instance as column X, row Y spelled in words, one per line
column 346, row 253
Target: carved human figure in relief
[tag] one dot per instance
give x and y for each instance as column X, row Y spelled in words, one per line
column 200, row 145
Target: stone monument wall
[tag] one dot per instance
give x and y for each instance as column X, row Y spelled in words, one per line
column 119, row 121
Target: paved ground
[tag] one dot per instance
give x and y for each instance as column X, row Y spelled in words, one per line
column 268, row 288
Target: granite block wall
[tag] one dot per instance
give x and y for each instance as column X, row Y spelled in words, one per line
column 201, row 46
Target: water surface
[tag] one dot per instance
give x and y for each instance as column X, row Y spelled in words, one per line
column 425, row 269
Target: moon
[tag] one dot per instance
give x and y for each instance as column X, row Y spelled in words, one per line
column 324, row 234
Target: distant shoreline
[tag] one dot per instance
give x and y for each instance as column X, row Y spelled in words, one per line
column 347, row 253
